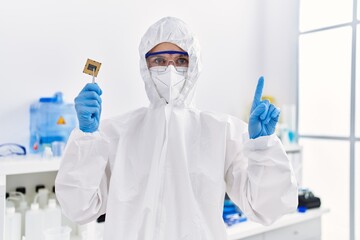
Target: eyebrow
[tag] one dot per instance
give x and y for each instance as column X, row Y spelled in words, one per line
column 166, row 52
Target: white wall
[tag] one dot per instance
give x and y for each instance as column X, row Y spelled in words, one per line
column 44, row 45
column 280, row 40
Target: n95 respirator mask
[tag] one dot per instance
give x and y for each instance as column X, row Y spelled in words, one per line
column 169, row 81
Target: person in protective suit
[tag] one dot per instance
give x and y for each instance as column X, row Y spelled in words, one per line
column 161, row 172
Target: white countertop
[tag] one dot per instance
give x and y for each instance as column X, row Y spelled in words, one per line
column 28, row 164
column 247, row 229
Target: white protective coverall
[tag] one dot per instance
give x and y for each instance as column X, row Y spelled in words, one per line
column 160, row 173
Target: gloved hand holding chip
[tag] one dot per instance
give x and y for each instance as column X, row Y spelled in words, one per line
column 263, row 115
column 88, row 102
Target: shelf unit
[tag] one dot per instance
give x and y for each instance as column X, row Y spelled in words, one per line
column 17, row 166
column 291, row 226
column 34, row 164
column 292, row 148
column 30, row 164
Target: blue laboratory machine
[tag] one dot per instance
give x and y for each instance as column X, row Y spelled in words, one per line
column 51, row 122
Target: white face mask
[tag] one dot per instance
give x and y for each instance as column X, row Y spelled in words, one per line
column 169, row 81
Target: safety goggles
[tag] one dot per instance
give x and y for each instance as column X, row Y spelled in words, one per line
column 8, row 149
column 178, row 59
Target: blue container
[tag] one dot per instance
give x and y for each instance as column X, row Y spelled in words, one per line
column 51, row 120
column 231, row 213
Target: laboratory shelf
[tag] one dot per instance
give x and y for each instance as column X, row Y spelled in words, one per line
column 28, row 164
column 16, row 166
column 33, row 164
column 292, row 148
column 36, row 163
column 250, row 229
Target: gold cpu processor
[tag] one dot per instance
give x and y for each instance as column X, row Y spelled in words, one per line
column 92, row 67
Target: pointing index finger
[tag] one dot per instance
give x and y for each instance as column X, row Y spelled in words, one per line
column 258, row 91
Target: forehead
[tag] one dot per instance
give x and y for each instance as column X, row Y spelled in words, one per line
column 166, row 46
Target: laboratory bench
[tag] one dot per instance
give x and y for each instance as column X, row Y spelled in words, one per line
column 31, row 170
column 24, row 171
column 295, row 226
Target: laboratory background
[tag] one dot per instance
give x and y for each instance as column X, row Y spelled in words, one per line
column 307, row 51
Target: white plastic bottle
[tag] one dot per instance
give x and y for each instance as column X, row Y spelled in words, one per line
column 12, row 224
column 22, row 209
column 34, row 222
column 52, row 215
column 43, row 197
column 47, row 154
column 22, row 205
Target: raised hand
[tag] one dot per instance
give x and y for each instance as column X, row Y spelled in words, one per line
column 88, row 107
column 263, row 115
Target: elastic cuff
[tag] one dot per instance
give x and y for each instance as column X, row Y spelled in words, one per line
column 259, row 143
column 77, row 134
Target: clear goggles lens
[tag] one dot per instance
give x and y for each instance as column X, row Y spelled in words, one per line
column 8, row 149
column 162, row 69
column 164, row 58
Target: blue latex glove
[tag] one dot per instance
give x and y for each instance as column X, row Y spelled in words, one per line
column 88, row 107
column 263, row 116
